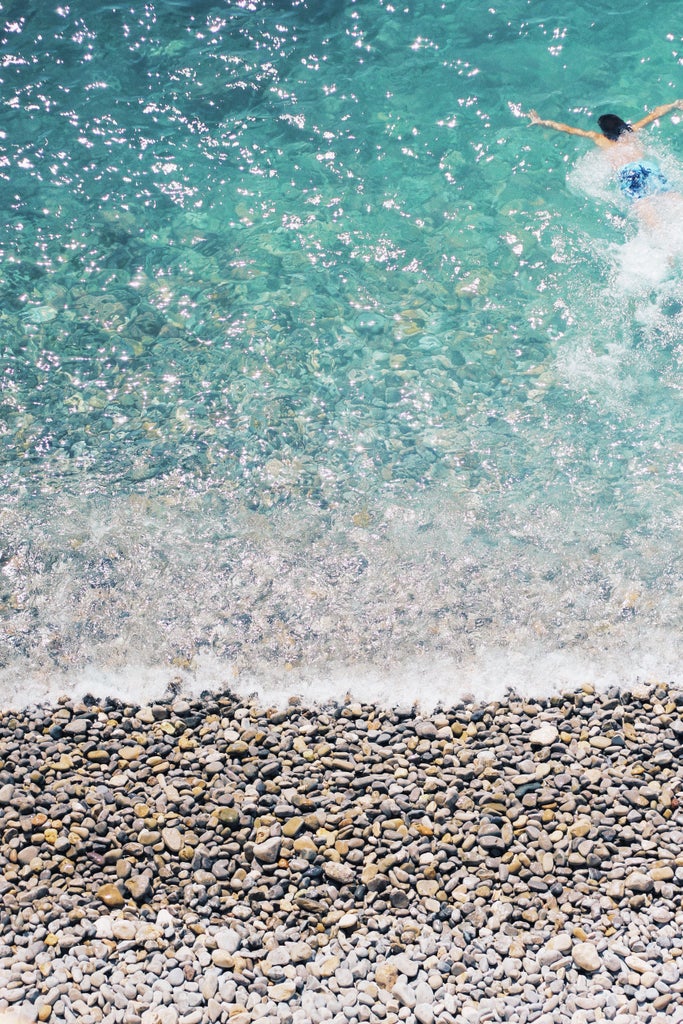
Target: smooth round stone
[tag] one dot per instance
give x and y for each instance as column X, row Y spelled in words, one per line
column 148, row 837
column 428, row 886
column 639, row 882
column 222, row 869
column 561, row 942
column 612, row 962
column 405, row 994
column 28, row 854
column 228, row 939
column 123, row 929
column 238, row 748
column 98, row 756
column 546, row 957
column 268, row 851
column 279, row 957
column 670, row 972
column 191, row 1017
column 77, row 727
column 64, row 763
column 405, row 965
column 425, row 729
column 292, row 827
column 636, row 963
column 544, row 736
column 139, row 887
column 424, row 1013
column 586, row 956
column 328, row 967
column 283, row 992
column 15, row 995
column 110, row 895
column 228, row 816
column 341, row 873
column 399, row 899
column 175, row 977
column 299, row 952
column 305, row 848
column 208, row 986
column 173, row 840
column 133, row 753
column 221, row 958
column 424, row 992
column 214, row 1009
column 6, row 794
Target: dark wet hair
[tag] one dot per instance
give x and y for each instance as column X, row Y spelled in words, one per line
column 612, row 127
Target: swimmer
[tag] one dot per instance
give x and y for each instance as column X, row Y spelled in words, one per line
column 639, row 179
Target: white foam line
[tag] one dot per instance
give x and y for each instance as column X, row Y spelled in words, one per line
column 428, row 682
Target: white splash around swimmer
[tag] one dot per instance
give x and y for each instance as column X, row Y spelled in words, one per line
column 651, row 252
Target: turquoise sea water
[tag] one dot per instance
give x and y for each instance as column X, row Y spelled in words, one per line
column 320, row 369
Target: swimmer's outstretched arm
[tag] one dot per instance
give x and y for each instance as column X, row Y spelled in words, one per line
column 560, row 127
column 658, row 112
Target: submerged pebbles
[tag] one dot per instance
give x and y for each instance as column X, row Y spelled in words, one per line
column 211, row 860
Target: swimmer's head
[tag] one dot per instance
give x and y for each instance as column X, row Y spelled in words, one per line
column 612, row 127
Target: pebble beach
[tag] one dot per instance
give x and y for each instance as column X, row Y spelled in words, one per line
column 214, row 860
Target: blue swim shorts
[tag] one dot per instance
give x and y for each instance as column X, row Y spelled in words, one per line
column 641, row 179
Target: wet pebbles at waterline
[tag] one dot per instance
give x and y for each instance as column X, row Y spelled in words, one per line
column 217, row 861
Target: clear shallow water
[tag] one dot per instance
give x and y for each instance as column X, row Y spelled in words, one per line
column 321, row 370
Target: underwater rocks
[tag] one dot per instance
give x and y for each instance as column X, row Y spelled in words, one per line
column 185, row 861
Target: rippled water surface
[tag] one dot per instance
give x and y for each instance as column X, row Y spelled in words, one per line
column 320, row 369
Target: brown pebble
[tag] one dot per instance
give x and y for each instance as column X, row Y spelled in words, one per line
column 110, row 895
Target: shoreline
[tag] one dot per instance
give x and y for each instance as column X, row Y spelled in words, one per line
column 212, row 859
